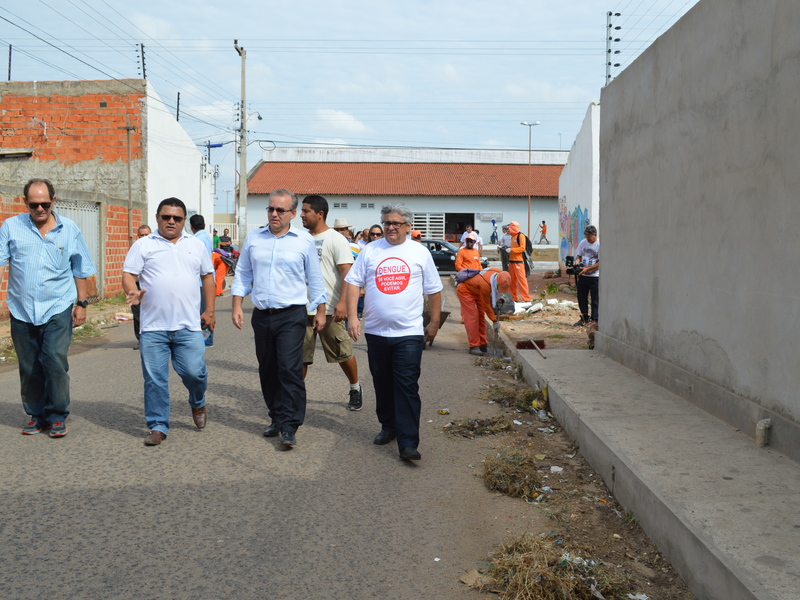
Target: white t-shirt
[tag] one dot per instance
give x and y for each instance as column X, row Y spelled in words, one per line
column 590, row 254
column 466, row 233
column 333, row 249
column 169, row 273
column 394, row 278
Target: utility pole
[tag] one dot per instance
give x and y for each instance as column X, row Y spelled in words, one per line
column 241, row 200
column 9, row 62
column 178, row 108
column 128, row 128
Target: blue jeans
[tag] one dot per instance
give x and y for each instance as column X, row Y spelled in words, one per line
column 395, row 365
column 42, row 356
column 186, row 348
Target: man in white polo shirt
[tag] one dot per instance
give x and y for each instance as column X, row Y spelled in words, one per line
column 395, row 272
column 168, row 264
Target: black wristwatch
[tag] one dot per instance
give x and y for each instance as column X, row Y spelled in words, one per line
column 82, row 303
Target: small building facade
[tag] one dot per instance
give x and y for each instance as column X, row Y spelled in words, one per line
column 446, row 190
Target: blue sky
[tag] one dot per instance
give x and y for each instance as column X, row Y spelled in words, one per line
column 411, row 73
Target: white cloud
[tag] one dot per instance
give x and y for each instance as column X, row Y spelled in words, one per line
column 341, row 122
column 449, row 74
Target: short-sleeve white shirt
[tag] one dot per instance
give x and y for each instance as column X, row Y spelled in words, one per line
column 168, row 272
column 394, row 278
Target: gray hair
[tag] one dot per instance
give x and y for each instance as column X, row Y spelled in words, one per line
column 283, row 192
column 399, row 209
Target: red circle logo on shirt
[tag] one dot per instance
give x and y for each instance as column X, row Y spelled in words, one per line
column 392, row 276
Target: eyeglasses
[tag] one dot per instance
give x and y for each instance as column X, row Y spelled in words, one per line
column 280, row 211
column 168, row 218
column 376, row 234
column 395, row 224
column 36, row 205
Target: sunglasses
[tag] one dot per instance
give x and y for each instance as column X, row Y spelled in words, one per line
column 167, row 218
column 280, row 211
column 376, row 234
column 395, row 224
column 36, row 205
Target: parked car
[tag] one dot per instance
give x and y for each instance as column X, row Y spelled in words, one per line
column 444, row 254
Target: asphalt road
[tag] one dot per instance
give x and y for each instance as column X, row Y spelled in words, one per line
column 225, row 512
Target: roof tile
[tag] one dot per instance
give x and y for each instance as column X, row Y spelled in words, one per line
column 405, row 179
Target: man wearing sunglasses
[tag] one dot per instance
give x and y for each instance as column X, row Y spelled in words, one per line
column 47, row 290
column 395, row 272
column 274, row 265
column 168, row 264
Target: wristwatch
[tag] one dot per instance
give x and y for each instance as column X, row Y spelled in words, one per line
column 82, row 303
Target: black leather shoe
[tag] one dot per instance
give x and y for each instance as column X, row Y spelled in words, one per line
column 272, row 431
column 410, row 454
column 288, row 440
column 384, row 437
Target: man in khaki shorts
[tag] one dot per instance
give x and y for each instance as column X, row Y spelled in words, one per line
column 335, row 260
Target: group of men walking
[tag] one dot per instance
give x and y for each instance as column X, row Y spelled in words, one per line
column 302, row 284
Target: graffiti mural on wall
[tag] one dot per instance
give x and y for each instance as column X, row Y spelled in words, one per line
column 570, row 227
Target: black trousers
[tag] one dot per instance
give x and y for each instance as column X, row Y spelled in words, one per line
column 395, row 365
column 279, row 350
column 587, row 286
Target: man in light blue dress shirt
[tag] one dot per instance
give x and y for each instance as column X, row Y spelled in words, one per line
column 198, row 225
column 274, row 265
column 47, row 290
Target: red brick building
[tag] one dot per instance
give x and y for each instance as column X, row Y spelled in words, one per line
column 93, row 140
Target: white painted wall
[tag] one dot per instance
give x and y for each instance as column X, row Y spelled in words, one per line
column 513, row 209
column 175, row 166
column 579, row 185
column 699, row 197
column 415, row 155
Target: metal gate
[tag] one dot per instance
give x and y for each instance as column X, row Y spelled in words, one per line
column 430, row 224
column 87, row 217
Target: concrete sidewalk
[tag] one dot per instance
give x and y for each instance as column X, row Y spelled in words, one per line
column 725, row 512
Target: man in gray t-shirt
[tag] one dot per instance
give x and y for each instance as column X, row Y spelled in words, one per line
column 588, row 256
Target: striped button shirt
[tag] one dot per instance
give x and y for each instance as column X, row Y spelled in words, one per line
column 42, row 269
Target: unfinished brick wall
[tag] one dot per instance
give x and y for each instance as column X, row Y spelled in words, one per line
column 72, row 128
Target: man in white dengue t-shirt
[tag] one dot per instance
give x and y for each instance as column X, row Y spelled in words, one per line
column 395, row 272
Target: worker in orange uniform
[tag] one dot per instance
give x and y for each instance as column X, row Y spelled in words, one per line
column 220, row 269
column 516, row 264
column 469, row 257
column 478, row 295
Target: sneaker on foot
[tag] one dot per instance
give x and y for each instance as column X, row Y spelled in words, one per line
column 476, row 351
column 58, row 430
column 355, row 399
column 33, row 427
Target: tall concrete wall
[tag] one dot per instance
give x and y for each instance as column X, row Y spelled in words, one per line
column 175, row 166
column 698, row 192
column 579, row 185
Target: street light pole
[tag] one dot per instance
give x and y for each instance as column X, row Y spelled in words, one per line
column 530, row 127
column 241, row 200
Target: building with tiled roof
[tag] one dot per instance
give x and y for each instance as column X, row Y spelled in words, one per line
column 446, row 190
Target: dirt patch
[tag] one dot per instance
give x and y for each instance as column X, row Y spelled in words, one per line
column 593, row 540
column 553, row 324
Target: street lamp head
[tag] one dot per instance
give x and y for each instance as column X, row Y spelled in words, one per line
column 534, row 124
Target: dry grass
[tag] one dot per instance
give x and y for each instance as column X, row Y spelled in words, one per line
column 531, row 568
column 527, row 399
column 513, row 471
column 472, row 428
